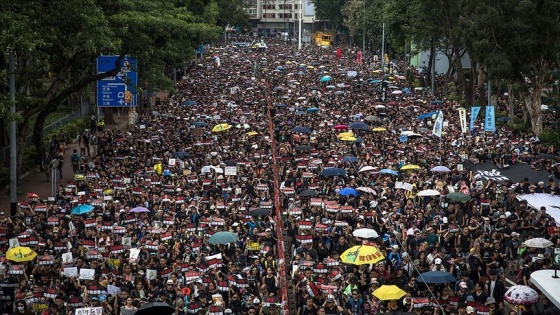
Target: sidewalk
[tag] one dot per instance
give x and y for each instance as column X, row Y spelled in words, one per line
column 36, row 182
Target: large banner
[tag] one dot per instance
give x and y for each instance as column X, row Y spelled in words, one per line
column 438, row 125
column 463, row 119
column 516, row 172
column 490, row 119
column 474, row 114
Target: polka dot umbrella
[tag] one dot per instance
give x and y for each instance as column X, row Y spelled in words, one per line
column 521, row 295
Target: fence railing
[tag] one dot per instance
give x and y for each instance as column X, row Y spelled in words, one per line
column 82, row 111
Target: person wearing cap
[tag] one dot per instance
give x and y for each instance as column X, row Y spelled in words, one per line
column 331, row 307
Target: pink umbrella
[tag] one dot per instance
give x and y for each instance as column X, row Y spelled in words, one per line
column 340, row 127
column 393, row 103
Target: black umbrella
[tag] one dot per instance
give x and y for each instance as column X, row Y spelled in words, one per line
column 308, row 193
column 546, row 156
column 159, row 308
column 303, row 148
column 259, row 211
column 230, row 163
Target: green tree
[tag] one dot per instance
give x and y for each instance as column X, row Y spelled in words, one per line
column 57, row 41
column 330, row 10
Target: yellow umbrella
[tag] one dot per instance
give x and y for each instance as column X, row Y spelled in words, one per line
column 391, row 78
column 221, row 127
column 310, row 67
column 410, row 167
column 389, row 292
column 348, row 138
column 362, row 255
column 377, row 71
column 20, row 254
column 252, row 133
column 379, row 129
column 288, row 62
column 345, row 134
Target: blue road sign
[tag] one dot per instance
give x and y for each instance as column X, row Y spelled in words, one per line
column 120, row 90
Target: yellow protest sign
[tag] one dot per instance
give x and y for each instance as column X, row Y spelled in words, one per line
column 253, row 246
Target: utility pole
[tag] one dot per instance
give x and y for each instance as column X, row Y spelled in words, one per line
column 300, row 21
column 364, row 30
column 13, row 129
column 383, row 49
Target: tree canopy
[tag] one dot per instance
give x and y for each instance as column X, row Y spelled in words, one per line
column 56, row 43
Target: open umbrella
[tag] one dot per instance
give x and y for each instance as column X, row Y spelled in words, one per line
column 436, row 277
column 440, row 169
column 367, row 190
column 410, row 167
column 348, row 138
column 20, row 254
column 455, row 196
column 429, row 193
column 538, row 242
column 199, row 124
column 223, row 237
column 230, row 163
column 345, row 134
column 221, row 127
column 189, row 103
column 436, row 102
column 259, row 211
column 389, row 292
column 362, row 255
column 348, row 191
column 521, row 295
column 159, row 308
column 140, row 210
column 379, row 129
column 350, row 159
column 367, row 168
column 303, row 148
column 180, row 154
column 388, row 171
column 335, row 171
column 359, row 125
column 82, row 209
column 308, row 193
column 365, row 233
column 372, row 118
column 300, row 129
column 326, row 78
column 340, row 127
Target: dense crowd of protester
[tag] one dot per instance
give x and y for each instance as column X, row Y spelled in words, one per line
column 162, row 187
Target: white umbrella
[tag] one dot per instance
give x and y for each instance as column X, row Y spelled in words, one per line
column 521, row 295
column 397, row 92
column 365, row 233
column 440, row 169
column 367, row 190
column 429, row 193
column 366, row 168
column 538, row 242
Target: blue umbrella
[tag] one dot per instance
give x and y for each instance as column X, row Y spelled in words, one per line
column 180, row 154
column 359, row 140
column 280, row 105
column 189, row 103
column 359, row 125
column 348, row 191
column 388, row 171
column 426, row 115
column 280, row 68
column 199, row 124
column 374, row 81
column 223, row 238
column 437, row 102
column 278, row 88
column 350, row 159
column 325, row 79
column 301, row 129
column 82, row 209
column 333, row 172
column 312, row 110
column 436, row 277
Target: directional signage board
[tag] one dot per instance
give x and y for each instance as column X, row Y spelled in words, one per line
column 119, row 90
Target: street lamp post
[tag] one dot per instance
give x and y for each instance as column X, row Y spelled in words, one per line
column 264, row 13
column 364, row 30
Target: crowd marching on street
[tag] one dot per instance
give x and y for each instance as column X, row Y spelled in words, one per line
column 385, row 202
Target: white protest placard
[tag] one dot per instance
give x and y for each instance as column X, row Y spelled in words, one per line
column 127, row 242
column 113, row 290
column 151, row 274
column 89, row 311
column 403, row 185
column 87, row 274
column 230, row 170
column 133, row 255
column 217, row 256
column 70, row 272
column 67, row 258
column 352, row 73
column 14, row 242
column 171, row 162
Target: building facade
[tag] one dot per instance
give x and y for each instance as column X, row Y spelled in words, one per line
column 277, row 18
